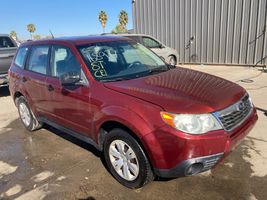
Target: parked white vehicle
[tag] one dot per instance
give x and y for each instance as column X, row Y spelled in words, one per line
column 170, row 55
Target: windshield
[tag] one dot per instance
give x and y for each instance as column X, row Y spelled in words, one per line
column 120, row 60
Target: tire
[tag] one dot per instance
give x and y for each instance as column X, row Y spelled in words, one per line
column 26, row 115
column 133, row 156
column 172, row 60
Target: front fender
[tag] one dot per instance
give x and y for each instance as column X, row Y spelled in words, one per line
column 136, row 123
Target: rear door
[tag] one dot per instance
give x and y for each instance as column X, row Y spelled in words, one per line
column 34, row 78
column 7, row 51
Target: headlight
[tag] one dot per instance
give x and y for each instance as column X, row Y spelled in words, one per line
column 190, row 123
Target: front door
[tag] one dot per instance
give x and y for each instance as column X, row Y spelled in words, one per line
column 68, row 106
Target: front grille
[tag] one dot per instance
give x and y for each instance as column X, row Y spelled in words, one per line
column 235, row 114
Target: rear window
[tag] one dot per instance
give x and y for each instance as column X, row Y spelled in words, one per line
column 6, row 42
column 21, row 56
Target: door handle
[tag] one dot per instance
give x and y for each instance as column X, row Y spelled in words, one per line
column 50, row 88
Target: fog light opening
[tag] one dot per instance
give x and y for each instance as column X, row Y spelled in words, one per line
column 194, row 169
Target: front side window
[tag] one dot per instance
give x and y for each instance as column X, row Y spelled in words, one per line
column 63, row 61
column 21, row 56
column 39, row 59
column 119, row 60
column 150, row 43
column 6, row 42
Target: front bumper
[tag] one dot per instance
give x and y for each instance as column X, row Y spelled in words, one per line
column 174, row 153
column 190, row 167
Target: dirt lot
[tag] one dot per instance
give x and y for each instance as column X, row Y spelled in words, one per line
column 48, row 164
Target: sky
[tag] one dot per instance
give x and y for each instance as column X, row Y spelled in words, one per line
column 62, row 17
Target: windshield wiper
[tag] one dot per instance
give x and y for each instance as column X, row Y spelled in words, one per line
column 114, row 79
column 171, row 66
column 163, row 68
column 160, row 69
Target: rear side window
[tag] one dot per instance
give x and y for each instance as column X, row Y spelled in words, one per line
column 21, row 56
column 150, row 43
column 6, row 42
column 39, row 59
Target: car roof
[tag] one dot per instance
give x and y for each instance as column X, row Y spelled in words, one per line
column 5, row 35
column 77, row 40
column 131, row 34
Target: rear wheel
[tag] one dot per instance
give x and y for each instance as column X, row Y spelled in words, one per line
column 26, row 115
column 126, row 159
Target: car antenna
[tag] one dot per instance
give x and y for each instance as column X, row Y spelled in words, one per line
column 51, row 34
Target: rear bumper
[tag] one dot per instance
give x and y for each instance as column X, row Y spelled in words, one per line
column 174, row 154
column 4, row 79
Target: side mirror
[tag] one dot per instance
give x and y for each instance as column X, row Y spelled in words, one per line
column 69, row 78
column 161, row 46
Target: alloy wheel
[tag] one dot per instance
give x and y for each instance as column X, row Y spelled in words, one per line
column 24, row 114
column 124, row 160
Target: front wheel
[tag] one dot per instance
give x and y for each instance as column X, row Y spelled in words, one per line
column 26, row 115
column 172, row 60
column 126, row 159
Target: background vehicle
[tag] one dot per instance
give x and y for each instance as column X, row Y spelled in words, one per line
column 149, row 118
column 169, row 54
column 8, row 49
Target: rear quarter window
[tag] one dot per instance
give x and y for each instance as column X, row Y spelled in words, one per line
column 21, row 56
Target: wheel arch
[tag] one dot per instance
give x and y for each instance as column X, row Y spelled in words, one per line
column 107, row 126
column 173, row 55
column 16, row 96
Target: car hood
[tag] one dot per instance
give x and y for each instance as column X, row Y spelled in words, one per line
column 182, row 90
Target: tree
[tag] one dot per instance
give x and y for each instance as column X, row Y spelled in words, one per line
column 48, row 37
column 103, row 18
column 31, row 28
column 119, row 29
column 123, row 19
column 13, row 34
column 36, row 37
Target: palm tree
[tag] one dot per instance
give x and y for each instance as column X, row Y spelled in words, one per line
column 31, row 28
column 118, row 29
column 13, row 34
column 103, row 18
column 36, row 37
column 123, row 19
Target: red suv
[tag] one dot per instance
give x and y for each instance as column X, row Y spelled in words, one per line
column 149, row 119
